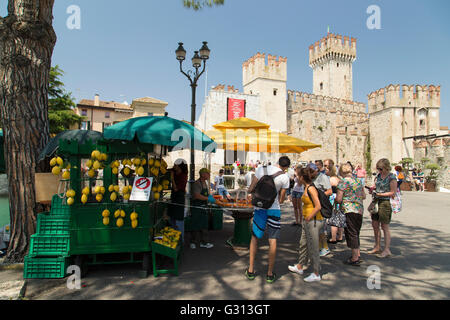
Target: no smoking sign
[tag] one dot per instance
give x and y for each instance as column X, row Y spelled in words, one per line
column 142, row 187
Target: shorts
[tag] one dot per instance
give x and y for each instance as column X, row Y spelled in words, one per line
column 269, row 219
column 222, row 192
column 354, row 223
column 296, row 194
column 384, row 214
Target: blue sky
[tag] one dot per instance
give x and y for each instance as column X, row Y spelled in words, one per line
column 125, row 49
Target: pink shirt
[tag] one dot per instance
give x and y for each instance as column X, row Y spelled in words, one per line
column 361, row 173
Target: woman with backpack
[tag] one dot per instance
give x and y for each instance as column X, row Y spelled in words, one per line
column 350, row 196
column 311, row 225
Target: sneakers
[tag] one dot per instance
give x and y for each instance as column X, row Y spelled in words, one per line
column 312, row 278
column 323, row 252
column 250, row 275
column 206, row 245
column 271, row 279
column 294, row 269
column 193, row 246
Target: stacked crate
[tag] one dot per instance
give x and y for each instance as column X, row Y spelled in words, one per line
column 49, row 248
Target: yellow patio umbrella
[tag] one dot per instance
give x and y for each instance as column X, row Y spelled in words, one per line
column 245, row 134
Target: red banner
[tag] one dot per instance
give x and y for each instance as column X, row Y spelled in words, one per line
column 236, row 108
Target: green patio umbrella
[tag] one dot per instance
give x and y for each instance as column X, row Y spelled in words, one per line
column 81, row 136
column 160, row 130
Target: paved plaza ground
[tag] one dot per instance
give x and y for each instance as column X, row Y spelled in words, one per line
column 418, row 269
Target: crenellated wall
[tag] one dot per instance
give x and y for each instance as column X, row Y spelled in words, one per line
column 256, row 67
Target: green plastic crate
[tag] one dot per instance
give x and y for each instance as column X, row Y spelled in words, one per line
column 52, row 226
column 49, row 245
column 45, row 268
column 175, row 254
column 59, row 207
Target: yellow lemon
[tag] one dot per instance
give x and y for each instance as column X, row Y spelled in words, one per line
column 140, row 171
column 134, row 224
column 95, row 154
column 119, row 222
column 156, row 196
column 116, row 163
column 125, row 189
column 122, row 213
column 91, row 173
column 116, row 213
column 102, row 190
column 143, row 162
column 84, row 198
column 115, row 170
column 96, row 165
column 113, row 196
column 126, row 171
column 163, row 170
column 89, row 163
column 70, row 201
column 163, row 163
column 111, row 188
column 126, row 196
column 59, row 161
column 151, row 162
column 157, row 163
column 99, row 197
column 160, row 188
column 56, row 170
column 105, row 213
column 70, row 193
column 85, row 190
column 136, row 161
column 116, row 188
column 154, row 189
column 68, row 166
column 133, row 216
column 66, row 175
column 97, row 189
column 106, row 221
column 103, row 157
column 53, row 162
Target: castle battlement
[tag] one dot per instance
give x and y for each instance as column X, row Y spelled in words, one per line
column 256, row 67
column 409, row 96
column 332, row 47
column 221, row 87
column 306, row 101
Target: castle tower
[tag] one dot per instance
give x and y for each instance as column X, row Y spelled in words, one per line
column 268, row 81
column 331, row 61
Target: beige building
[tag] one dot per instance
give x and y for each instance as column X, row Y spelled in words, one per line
column 101, row 114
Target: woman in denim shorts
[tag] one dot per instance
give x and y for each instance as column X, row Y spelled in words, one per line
column 297, row 193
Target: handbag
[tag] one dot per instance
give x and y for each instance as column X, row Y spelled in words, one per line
column 338, row 218
column 373, row 207
column 396, row 203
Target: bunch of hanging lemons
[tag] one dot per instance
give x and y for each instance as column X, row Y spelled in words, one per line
column 99, row 192
column 126, row 192
column 105, row 215
column 126, row 167
column 168, row 237
column 115, row 166
column 134, row 219
column 84, row 195
column 70, row 194
column 139, row 163
column 96, row 162
column 114, row 190
column 119, row 214
column 57, row 164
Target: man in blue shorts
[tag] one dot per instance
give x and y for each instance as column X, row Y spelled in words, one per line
column 268, row 218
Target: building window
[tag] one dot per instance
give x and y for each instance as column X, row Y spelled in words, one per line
column 338, row 64
column 321, row 86
column 107, row 115
column 84, row 112
column 275, row 92
column 422, row 123
column 322, row 68
column 84, row 125
column 150, row 114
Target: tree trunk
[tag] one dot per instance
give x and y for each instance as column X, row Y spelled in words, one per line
column 27, row 40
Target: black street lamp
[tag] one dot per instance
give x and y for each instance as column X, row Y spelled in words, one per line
column 193, row 78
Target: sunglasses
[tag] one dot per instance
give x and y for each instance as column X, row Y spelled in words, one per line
column 380, row 169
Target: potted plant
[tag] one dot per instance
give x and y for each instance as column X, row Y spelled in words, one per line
column 430, row 180
column 406, row 163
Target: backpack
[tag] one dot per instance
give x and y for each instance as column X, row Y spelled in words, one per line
column 326, row 206
column 265, row 192
column 401, row 176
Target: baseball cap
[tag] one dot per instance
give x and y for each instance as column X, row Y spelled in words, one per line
column 312, row 166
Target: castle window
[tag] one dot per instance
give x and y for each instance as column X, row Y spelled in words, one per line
column 321, row 86
column 345, row 77
column 275, row 92
column 338, row 64
column 422, row 123
column 322, row 68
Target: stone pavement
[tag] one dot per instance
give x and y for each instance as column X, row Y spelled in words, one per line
column 418, row 269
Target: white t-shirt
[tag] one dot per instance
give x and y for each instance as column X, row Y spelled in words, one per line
column 298, row 187
column 248, row 178
column 281, row 182
column 219, row 180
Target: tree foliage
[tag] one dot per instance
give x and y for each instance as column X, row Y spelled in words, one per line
column 61, row 105
column 199, row 4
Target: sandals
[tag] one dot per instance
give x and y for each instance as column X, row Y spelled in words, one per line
column 350, row 262
column 374, row 252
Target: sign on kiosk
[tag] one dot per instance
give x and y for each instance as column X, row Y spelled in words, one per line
column 142, row 187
